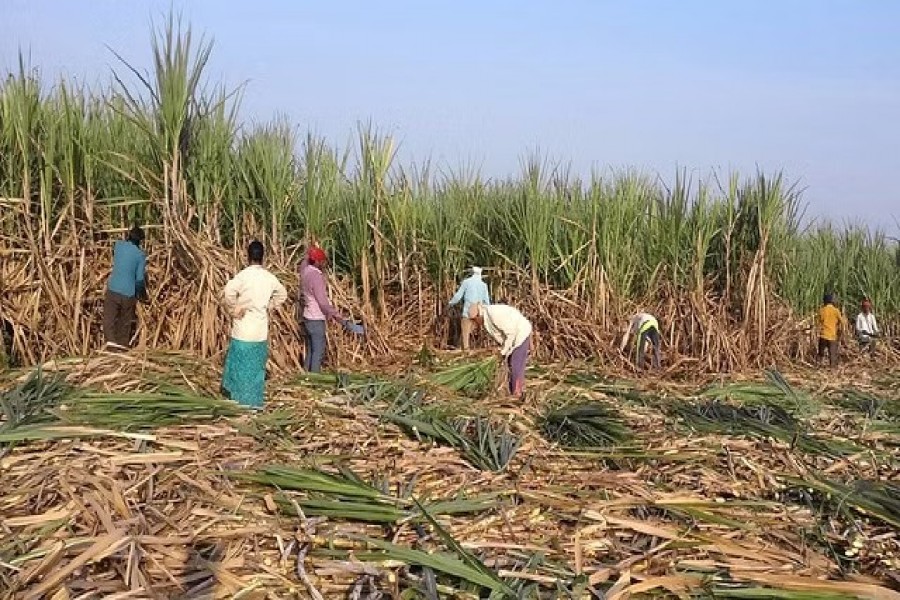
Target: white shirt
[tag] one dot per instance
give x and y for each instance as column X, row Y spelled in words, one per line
column 866, row 324
column 257, row 291
column 506, row 325
column 639, row 320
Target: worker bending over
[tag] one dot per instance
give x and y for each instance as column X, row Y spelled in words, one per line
column 512, row 331
column 645, row 329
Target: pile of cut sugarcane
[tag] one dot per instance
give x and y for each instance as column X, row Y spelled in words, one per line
column 135, row 478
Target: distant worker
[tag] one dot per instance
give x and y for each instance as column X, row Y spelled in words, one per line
column 125, row 287
column 512, row 331
column 249, row 297
column 472, row 289
column 866, row 327
column 645, row 329
column 831, row 324
column 315, row 306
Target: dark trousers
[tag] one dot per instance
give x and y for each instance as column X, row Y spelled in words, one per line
column 315, row 344
column 830, row 346
column 867, row 344
column 119, row 316
column 650, row 336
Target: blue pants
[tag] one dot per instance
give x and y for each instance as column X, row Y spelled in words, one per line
column 315, row 345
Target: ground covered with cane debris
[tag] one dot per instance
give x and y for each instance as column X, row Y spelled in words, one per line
column 129, row 477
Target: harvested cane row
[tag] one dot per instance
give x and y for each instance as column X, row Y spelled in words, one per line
column 364, row 485
column 52, row 306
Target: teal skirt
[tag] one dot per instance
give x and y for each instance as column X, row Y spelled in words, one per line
column 244, row 377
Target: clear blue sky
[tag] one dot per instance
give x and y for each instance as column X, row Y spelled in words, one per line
column 808, row 86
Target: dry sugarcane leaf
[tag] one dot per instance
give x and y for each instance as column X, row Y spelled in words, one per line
column 676, row 584
column 54, row 555
column 617, row 591
column 639, row 526
column 61, row 594
column 47, row 517
column 860, row 590
column 102, row 547
column 149, row 458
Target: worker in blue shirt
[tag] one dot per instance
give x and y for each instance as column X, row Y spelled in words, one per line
column 125, row 287
column 472, row 289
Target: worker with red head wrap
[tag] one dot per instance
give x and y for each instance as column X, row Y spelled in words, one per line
column 316, row 306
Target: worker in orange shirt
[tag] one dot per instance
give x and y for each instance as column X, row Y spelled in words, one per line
column 831, row 328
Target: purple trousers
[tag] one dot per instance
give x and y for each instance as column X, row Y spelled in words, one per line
column 516, row 362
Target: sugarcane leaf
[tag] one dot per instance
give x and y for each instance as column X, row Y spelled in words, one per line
column 470, row 560
column 439, row 561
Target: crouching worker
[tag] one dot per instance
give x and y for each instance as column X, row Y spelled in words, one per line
column 645, row 329
column 249, row 297
column 512, row 331
column 866, row 327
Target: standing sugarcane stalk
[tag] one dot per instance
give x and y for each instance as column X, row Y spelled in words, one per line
column 733, row 264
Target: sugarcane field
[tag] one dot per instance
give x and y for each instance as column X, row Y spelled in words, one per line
column 237, row 361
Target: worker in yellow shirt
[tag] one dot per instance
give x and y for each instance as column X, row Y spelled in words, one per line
column 831, row 327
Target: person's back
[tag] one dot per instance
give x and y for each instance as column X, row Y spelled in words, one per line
column 830, row 324
column 124, row 288
column 505, row 313
column 248, row 296
column 253, row 290
column 508, row 321
column 472, row 290
column 316, row 308
column 477, row 292
column 645, row 329
column 313, row 292
column 512, row 330
column 640, row 320
column 129, row 262
column 830, row 321
column 309, row 276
